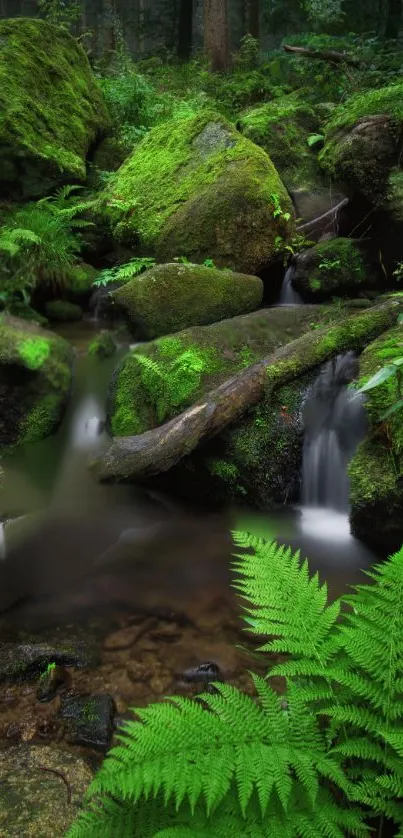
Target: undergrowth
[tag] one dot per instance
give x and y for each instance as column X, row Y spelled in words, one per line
column 321, row 759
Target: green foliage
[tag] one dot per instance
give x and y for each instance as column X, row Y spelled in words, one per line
column 248, row 55
column 171, row 383
column 315, row 140
column 391, row 370
column 330, row 265
column 124, row 272
column 34, row 352
column 277, row 210
column 133, row 102
column 315, row 761
column 60, row 12
column 40, row 244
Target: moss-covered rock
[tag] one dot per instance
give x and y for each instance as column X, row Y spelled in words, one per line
column 282, row 129
column 51, row 108
column 62, row 311
column 171, row 297
column 35, row 381
column 196, row 187
column 80, row 283
column 103, row 345
column 160, row 378
column 258, row 458
column 362, row 141
column 332, row 268
column 376, row 470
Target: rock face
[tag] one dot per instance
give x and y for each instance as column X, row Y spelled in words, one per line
column 376, row 470
column 35, row 381
column 282, row 128
column 362, row 141
column 171, row 297
column 195, row 187
column 52, row 109
column 332, row 268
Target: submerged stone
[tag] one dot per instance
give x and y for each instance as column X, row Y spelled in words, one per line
column 30, row 660
column 52, row 109
column 62, row 311
column 89, row 719
column 35, row 380
column 332, row 268
column 173, row 296
column 196, row 187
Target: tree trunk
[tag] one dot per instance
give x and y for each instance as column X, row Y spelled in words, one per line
column 185, row 28
column 393, row 19
column 216, row 38
column 253, row 18
column 158, row 450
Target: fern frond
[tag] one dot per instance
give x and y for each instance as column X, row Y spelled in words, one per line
column 287, row 605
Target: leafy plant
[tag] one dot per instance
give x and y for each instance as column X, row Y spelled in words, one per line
column 124, row 272
column 315, row 139
column 391, row 370
column 40, row 244
column 329, row 265
column 398, row 272
column 319, row 760
column 277, row 211
column 60, row 12
column 170, row 383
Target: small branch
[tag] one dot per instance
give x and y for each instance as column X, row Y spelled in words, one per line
column 62, row 777
column 324, row 55
column 331, row 211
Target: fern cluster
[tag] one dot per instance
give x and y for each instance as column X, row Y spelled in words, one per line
column 319, row 760
column 171, row 382
column 40, row 243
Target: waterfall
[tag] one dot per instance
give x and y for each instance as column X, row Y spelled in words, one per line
column 287, row 294
column 335, row 422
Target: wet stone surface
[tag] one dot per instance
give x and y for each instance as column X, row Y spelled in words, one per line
column 89, row 719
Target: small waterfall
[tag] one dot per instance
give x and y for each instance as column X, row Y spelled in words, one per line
column 287, row 294
column 2, row 541
column 335, row 422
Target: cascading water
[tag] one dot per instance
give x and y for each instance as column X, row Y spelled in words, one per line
column 287, row 294
column 335, row 422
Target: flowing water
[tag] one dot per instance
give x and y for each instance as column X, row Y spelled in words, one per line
column 288, row 296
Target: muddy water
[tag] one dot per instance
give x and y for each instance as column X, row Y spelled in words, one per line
column 146, row 580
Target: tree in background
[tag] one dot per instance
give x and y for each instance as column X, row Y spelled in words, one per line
column 216, row 37
column 185, row 29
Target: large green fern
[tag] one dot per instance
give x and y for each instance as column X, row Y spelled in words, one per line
column 40, row 243
column 316, row 761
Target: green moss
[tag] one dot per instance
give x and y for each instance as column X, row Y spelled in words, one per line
column 170, row 297
column 198, row 188
column 103, row 345
column 384, row 100
column 51, row 106
column 136, row 401
column 282, row 128
column 63, row 311
column 330, row 268
column 36, row 373
column 34, row 352
column 81, row 280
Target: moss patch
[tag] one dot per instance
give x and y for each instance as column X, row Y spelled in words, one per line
column 331, row 268
column 62, row 311
column 35, row 381
column 196, row 187
column 282, row 129
column 171, row 297
column 51, row 107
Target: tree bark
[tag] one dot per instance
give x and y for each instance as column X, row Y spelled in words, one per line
column 393, row 19
column 324, row 55
column 185, row 29
column 253, row 18
column 216, row 37
column 158, row 450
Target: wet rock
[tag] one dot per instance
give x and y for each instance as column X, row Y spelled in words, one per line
column 89, row 719
column 103, row 346
column 26, row 661
column 124, row 638
column 138, row 671
column 166, row 632
column 203, row 673
column 50, row 682
column 41, row 790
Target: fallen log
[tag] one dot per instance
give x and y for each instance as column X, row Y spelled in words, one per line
column 328, row 214
column 324, row 55
column 158, row 450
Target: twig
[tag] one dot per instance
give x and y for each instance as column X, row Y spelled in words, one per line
column 62, row 777
column 332, row 211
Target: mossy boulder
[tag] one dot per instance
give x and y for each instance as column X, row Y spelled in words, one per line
column 62, row 311
column 35, row 381
column 362, row 141
column 332, row 268
column 168, row 298
column 103, row 345
column 161, row 378
column 80, row 282
column 376, row 470
column 282, row 129
column 196, row 187
column 52, row 109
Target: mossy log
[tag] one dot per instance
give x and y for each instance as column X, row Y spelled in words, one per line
column 331, row 55
column 158, row 450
